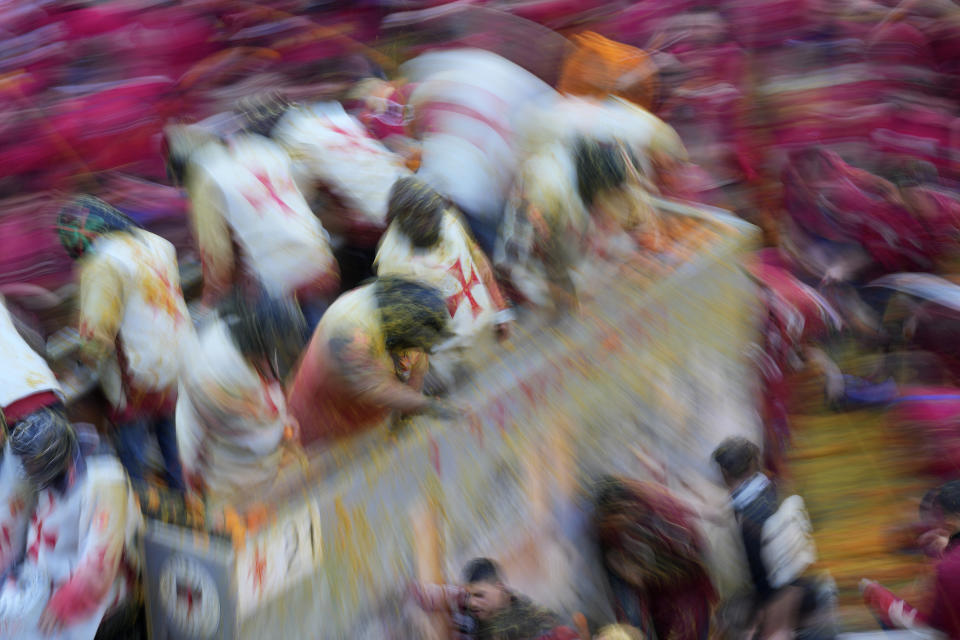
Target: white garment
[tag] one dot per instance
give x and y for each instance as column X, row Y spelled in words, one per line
column 27, row 373
column 230, row 422
column 83, row 532
column 614, row 119
column 328, row 145
column 155, row 323
column 467, row 103
column 450, row 268
column 250, row 184
column 16, row 505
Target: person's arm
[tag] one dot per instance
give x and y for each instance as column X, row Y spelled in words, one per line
column 102, row 298
column 438, row 597
column 369, row 380
column 103, row 525
column 213, row 237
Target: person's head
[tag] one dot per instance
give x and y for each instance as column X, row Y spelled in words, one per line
column 418, row 210
column 486, row 593
column 84, row 219
column 620, row 632
column 46, row 444
column 269, row 332
column 600, row 168
column 261, row 113
column 738, row 459
column 413, row 315
column 948, row 499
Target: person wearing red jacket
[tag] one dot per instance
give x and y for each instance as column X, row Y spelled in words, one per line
column 944, row 615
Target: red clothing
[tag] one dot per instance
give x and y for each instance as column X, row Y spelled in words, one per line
column 945, row 615
column 323, row 402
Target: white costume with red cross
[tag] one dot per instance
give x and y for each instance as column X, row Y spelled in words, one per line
column 453, row 266
column 230, row 421
column 245, row 200
column 16, row 503
column 329, row 146
column 76, row 547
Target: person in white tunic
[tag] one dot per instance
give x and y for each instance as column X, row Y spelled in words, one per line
column 251, row 222
column 427, row 241
column 133, row 323
column 465, row 109
column 78, row 538
column 231, row 412
column 27, row 386
column 331, row 148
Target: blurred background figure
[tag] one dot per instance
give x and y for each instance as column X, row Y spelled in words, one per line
column 942, row 614
column 231, row 413
column 486, row 609
column 134, row 323
column 368, row 358
column 428, row 241
column 653, row 556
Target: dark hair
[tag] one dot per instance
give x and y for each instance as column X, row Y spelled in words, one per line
column 84, row 219
column 261, row 113
column 608, row 491
column 418, row 211
column 265, row 327
column 414, row 315
column 600, row 166
column 46, row 443
column 948, row 497
column 481, row 570
column 736, row 457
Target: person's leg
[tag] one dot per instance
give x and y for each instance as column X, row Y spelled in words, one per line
column 131, row 447
column 167, row 440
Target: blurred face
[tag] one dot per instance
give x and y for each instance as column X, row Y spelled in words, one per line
column 485, row 599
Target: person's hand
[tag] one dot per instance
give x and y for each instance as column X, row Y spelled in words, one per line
column 442, row 410
column 49, row 623
column 934, row 542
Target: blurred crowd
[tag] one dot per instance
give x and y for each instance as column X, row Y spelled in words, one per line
column 371, row 193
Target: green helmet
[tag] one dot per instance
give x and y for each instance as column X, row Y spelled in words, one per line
column 86, row 218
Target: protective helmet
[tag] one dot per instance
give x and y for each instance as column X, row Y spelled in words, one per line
column 266, row 328
column 86, row 218
column 414, row 315
column 600, row 166
column 46, row 443
column 262, row 112
column 418, row 211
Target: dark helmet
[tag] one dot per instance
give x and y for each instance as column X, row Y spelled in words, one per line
column 414, row 315
column 600, row 166
column 46, row 443
column 418, row 210
column 86, row 218
column 266, row 328
column 262, row 112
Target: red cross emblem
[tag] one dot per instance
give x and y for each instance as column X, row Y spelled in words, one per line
column 466, row 290
column 46, row 540
column 258, row 569
column 257, row 201
column 351, row 142
column 189, row 595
